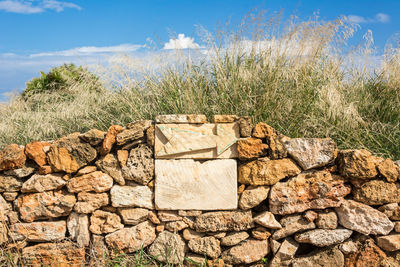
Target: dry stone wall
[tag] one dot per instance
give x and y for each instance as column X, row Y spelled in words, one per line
column 188, row 191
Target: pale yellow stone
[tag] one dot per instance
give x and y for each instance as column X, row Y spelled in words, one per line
column 193, row 185
column 204, row 141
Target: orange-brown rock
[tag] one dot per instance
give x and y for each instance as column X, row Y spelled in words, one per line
column 359, row 164
column 50, row 204
column 274, row 139
column 45, row 169
column 225, row 118
column 150, row 136
column 38, row 231
column 34, row 151
column 95, row 181
column 389, row 170
column 41, row 183
column 368, row 254
column 224, row 221
column 266, row 172
column 10, row 183
column 70, row 153
column 122, row 156
column 89, row 202
column 246, row 252
column 110, row 165
column 309, row 190
column 103, row 222
column 54, row 254
column 208, row 245
column 245, row 126
column 93, row 137
column 377, row 192
column 12, row 157
column 251, row 148
column 98, row 251
column 109, row 140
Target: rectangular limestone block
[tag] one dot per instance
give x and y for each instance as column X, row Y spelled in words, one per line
column 181, row 118
column 187, row 184
column 196, row 141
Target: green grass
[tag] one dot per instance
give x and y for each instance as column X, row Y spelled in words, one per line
column 299, row 77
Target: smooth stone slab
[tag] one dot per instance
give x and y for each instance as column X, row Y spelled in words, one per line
column 181, row 118
column 196, row 141
column 193, row 185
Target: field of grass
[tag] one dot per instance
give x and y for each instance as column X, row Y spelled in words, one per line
column 300, row 77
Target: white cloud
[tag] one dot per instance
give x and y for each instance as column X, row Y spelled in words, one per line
column 90, row 50
column 181, row 42
column 379, row 18
column 35, row 6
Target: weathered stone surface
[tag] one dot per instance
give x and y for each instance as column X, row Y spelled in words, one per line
column 389, row 170
column 311, row 153
column 109, row 139
column 348, row 247
column 9, row 184
column 217, row 235
column 189, row 184
column 176, row 226
column 95, row 181
column 397, row 227
column 225, row 118
column 38, row 231
column 122, row 156
column 129, row 135
column 323, row 237
column 246, row 252
column 41, row 183
column 140, row 165
column 357, row 164
column 310, row 190
column 89, row 202
column 266, row 172
column 292, row 224
column 189, row 234
column 251, row 148
column 168, row 247
column 34, row 151
column 310, row 215
column 47, row 254
column 389, row 242
column 70, row 153
column 103, row 222
column 327, row 220
column 205, row 141
column 208, row 245
column 260, row 233
column 274, row 139
column 377, row 192
column 363, row 219
column 181, row 118
column 391, row 210
column 169, row 216
column 253, row 196
column 23, row 172
column 109, row 164
column 224, row 221
column 234, row 238
column 195, row 260
column 285, row 254
column 10, row 196
column 98, row 251
column 245, row 126
column 267, row 219
column 133, row 238
column 3, row 233
column 45, row 169
column 367, row 255
column 193, row 213
column 331, row 257
column 132, row 196
column 78, row 228
column 133, row 216
column 12, row 157
column 86, row 170
column 50, row 204
column 94, row 137
column 4, row 209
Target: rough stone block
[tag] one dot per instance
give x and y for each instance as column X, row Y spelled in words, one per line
column 193, row 185
column 197, row 141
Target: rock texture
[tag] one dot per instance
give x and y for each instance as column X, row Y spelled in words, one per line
column 224, row 221
column 363, row 219
column 247, row 252
column 377, row 192
column 311, row 153
column 310, row 190
column 139, row 166
column 38, row 231
column 358, row 164
column 253, row 196
column 266, row 172
column 212, row 185
column 95, row 181
column 323, row 237
column 132, row 196
column 89, row 202
column 78, row 228
column 168, row 247
column 12, row 157
column 103, row 222
column 208, row 245
column 325, row 258
column 251, row 148
column 35, row 151
column 41, row 183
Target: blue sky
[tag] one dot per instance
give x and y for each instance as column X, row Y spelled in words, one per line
column 39, row 34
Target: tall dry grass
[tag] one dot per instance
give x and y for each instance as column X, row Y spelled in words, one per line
column 301, row 77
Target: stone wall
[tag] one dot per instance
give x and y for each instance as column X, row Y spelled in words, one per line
column 186, row 190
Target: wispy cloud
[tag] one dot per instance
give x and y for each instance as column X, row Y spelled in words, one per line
column 90, row 50
column 181, row 42
column 378, row 18
column 35, row 6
